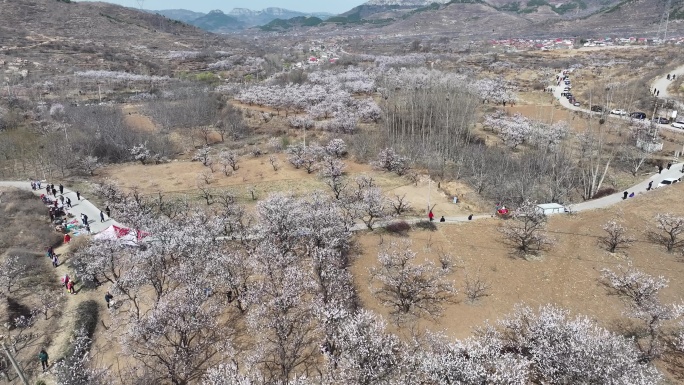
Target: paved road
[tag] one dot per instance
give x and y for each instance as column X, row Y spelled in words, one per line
column 84, row 206
column 93, row 213
column 662, row 83
column 558, row 90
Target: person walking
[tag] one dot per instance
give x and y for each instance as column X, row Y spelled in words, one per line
column 61, row 189
column 55, row 261
column 108, row 299
column 470, row 217
column 85, row 219
column 669, row 164
column 431, row 216
column 68, row 201
column 658, row 93
column 624, row 195
column 54, row 192
column 78, row 195
column 65, row 280
column 650, row 185
column 70, row 287
column 660, row 168
column 61, row 199
column 442, row 219
column 67, row 238
column 108, row 211
column 43, row 356
column 50, row 252
column 631, row 195
column 101, row 216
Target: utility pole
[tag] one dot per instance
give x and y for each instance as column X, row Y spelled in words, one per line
column 22, row 377
column 429, row 193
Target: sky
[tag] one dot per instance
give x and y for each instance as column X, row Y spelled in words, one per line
column 332, row 6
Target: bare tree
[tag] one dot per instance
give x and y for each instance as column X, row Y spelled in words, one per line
column 231, row 122
column 616, row 236
column 527, row 229
column 595, row 159
column 400, row 204
column 410, row 289
column 670, row 228
column 475, row 286
column 207, row 195
column 274, row 162
column 205, row 132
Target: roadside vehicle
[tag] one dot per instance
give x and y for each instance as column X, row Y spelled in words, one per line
column 667, row 182
column 618, row 112
column 638, row 115
column 661, row 120
column 597, row 108
column 679, row 124
column 576, row 103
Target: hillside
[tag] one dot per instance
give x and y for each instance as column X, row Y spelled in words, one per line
column 217, row 21
column 629, row 16
column 238, row 18
column 183, row 15
column 56, row 37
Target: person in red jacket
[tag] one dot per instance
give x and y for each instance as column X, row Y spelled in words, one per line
column 431, row 216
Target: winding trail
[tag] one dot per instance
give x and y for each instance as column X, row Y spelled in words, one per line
column 662, row 84
column 93, row 212
column 84, row 206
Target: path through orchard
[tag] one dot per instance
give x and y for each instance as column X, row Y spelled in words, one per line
column 62, row 334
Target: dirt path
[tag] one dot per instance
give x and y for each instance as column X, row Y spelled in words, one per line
column 63, row 333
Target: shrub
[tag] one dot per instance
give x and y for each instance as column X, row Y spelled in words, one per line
column 604, row 192
column 399, row 227
column 426, row 225
column 87, row 315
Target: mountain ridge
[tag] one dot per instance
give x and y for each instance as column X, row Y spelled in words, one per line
column 236, row 19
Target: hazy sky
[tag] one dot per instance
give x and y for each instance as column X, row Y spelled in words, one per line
column 332, row 6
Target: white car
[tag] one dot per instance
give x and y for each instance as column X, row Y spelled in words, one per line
column 667, row 182
column 618, row 112
column 679, row 124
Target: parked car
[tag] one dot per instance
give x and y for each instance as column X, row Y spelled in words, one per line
column 638, row 115
column 667, row 182
column 618, row 112
column 679, row 124
column 597, row 108
column 576, row 103
column 568, row 95
column 661, row 120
